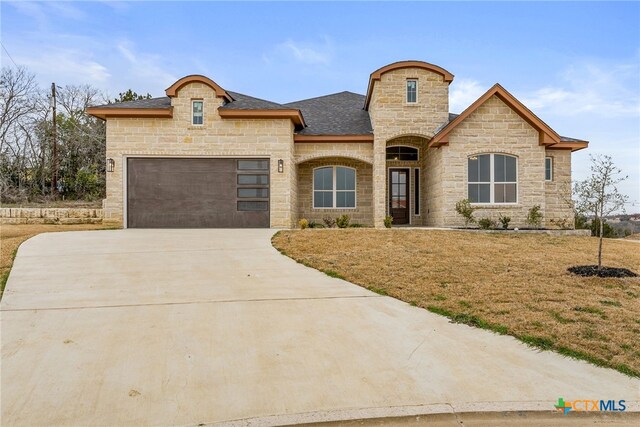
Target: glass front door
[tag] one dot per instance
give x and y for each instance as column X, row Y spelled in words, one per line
column 399, row 195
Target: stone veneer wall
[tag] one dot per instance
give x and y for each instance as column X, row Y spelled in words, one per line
column 420, row 144
column 217, row 137
column 363, row 213
column 493, row 128
column 392, row 117
column 558, row 203
column 50, row 216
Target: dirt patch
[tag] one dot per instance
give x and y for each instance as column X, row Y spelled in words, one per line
column 516, row 284
column 11, row 236
column 593, row 270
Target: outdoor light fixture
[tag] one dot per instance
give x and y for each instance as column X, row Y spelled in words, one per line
column 111, row 164
column 280, row 166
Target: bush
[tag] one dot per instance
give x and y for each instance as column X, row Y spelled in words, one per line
column 504, row 220
column 388, row 220
column 343, row 221
column 356, row 225
column 487, row 223
column 464, row 208
column 534, row 217
column 314, row 224
column 607, row 230
column 329, row 222
column 303, row 223
column 562, row 223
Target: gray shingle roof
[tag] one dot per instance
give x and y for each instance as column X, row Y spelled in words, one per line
column 246, row 102
column 337, row 114
column 567, row 139
column 163, row 102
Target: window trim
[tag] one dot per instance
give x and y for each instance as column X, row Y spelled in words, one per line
column 416, row 191
column 401, row 145
column 193, row 101
column 406, row 91
column 550, row 159
column 492, row 181
column 334, row 190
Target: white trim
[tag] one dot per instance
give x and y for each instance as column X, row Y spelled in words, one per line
column 125, row 168
column 192, row 112
column 550, row 168
column 406, row 91
column 334, row 190
column 491, row 181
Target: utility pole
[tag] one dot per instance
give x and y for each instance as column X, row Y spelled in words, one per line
column 54, row 150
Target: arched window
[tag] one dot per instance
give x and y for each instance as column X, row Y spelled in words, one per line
column 334, row 187
column 402, row 153
column 492, row 178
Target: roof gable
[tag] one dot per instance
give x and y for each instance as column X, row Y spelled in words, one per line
column 547, row 135
column 196, row 78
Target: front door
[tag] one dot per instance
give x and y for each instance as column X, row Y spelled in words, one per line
column 399, row 195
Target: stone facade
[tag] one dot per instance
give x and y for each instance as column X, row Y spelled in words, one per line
column 558, row 203
column 217, row 137
column 50, row 216
column 392, row 117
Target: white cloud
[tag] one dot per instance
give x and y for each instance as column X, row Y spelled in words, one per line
column 462, row 94
column 601, row 89
column 55, row 63
column 308, row 53
column 145, row 65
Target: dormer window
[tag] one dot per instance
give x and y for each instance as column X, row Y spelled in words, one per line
column 197, row 112
column 412, row 91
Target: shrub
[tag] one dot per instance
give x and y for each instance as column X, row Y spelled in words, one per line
column 314, row 224
column 329, row 222
column 464, row 208
column 486, row 223
column 343, row 221
column 607, row 230
column 356, row 225
column 388, row 220
column 303, row 223
column 534, row 217
column 504, row 220
column 562, row 223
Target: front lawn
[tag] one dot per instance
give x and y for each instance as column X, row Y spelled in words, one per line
column 11, row 236
column 515, row 284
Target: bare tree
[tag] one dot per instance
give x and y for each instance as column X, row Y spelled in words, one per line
column 599, row 195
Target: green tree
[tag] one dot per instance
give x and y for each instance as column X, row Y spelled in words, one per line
column 130, row 95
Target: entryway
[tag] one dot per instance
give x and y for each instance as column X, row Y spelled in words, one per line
column 399, row 195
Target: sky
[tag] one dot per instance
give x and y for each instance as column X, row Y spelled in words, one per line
column 574, row 64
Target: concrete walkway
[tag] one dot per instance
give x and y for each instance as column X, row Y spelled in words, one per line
column 182, row 327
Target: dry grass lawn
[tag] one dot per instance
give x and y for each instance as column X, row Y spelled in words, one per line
column 515, row 284
column 11, row 236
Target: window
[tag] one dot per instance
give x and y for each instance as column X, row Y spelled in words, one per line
column 416, row 191
column 548, row 168
column 492, row 178
column 260, row 164
column 334, row 187
column 402, row 153
column 412, row 91
column 197, row 109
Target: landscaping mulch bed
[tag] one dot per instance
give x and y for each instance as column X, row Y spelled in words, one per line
column 593, row 270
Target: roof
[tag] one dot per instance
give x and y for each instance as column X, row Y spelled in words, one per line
column 336, row 114
column 246, row 102
column 162, row 102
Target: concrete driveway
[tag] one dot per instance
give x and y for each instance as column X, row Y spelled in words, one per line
column 182, row 327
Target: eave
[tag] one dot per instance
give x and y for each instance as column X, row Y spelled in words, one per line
column 104, row 113
column 333, row 138
column 294, row 115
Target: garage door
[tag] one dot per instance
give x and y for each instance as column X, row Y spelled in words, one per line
column 197, row 193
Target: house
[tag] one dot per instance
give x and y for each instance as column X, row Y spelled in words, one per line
column 204, row 156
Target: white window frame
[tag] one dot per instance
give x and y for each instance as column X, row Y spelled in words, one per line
column 492, row 181
column 550, row 159
column 193, row 101
column 406, row 92
column 334, row 190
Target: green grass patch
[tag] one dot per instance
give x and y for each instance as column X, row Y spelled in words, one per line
column 333, row 274
column 378, row 291
column 611, row 303
column 591, row 310
column 558, row 317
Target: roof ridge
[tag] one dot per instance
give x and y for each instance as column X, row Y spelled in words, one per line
column 324, row 96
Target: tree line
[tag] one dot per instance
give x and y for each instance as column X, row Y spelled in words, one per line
column 27, row 140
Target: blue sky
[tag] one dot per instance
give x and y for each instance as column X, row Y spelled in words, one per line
column 575, row 64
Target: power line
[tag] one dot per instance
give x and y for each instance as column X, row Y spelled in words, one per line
column 9, row 55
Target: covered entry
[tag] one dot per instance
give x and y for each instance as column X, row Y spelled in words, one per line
column 197, row 193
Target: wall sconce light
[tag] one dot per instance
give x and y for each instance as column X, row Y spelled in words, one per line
column 280, row 166
column 111, row 164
